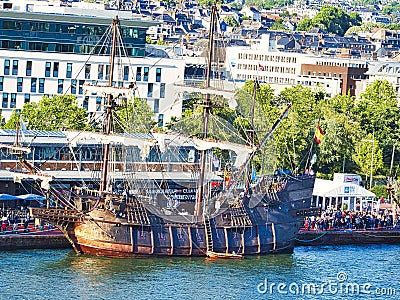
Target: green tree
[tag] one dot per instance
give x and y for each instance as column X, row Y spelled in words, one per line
column 355, row 19
column 171, row 3
column 334, row 20
column 294, row 136
column 55, row 113
column 305, row 24
column 206, row 3
column 237, row 5
column 12, row 121
column 391, row 8
column 265, row 110
column 278, row 25
column 378, row 112
column 393, row 26
column 268, row 4
column 368, row 156
column 231, row 21
column 2, row 121
column 341, row 133
column 285, row 14
column 135, row 117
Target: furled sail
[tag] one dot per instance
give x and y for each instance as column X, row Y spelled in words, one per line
column 44, row 179
column 144, row 144
column 167, row 139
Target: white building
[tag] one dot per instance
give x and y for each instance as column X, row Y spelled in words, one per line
column 48, row 54
column 278, row 69
column 389, row 71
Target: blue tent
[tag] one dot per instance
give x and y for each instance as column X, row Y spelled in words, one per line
column 31, row 197
column 7, row 197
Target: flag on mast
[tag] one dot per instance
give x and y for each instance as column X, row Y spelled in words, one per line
column 319, row 134
column 254, row 177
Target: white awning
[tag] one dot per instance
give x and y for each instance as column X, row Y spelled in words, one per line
column 328, row 188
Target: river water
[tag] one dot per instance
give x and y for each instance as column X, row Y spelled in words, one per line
column 326, row 272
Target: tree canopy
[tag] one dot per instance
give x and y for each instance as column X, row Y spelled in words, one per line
column 135, row 117
column 55, row 113
column 331, row 19
column 334, row 20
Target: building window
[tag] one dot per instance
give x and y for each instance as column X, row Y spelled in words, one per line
column 126, row 73
column 98, row 103
column 15, row 67
column 7, row 67
column 27, row 98
column 69, row 70
column 107, row 72
column 86, row 102
column 1, row 83
column 73, row 86
column 33, row 85
column 41, row 85
column 81, row 83
column 87, row 71
column 158, row 75
column 139, row 74
column 56, row 66
column 28, row 68
column 60, row 86
column 47, row 69
column 19, row 84
column 162, row 90
column 160, row 120
column 145, row 74
column 5, row 100
column 13, row 103
column 100, row 72
column 156, row 106
column 149, row 90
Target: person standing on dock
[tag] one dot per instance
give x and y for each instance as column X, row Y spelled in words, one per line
column 3, row 226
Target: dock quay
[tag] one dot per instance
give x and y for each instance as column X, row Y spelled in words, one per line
column 38, row 239
column 348, row 237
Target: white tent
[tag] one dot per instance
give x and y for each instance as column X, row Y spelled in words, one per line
column 343, row 195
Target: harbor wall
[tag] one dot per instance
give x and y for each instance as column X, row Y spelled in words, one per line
column 26, row 241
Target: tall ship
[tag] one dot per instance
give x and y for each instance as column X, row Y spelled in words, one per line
column 228, row 214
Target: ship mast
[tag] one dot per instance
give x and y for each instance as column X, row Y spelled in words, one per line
column 206, row 111
column 251, row 134
column 109, row 108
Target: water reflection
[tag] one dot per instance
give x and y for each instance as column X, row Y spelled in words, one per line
column 103, row 266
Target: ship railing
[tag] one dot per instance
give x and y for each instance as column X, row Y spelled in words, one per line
column 55, row 214
column 87, row 192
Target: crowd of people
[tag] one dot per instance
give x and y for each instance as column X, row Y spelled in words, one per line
column 11, row 219
column 339, row 220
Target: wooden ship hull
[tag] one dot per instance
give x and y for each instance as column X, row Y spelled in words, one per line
column 132, row 227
